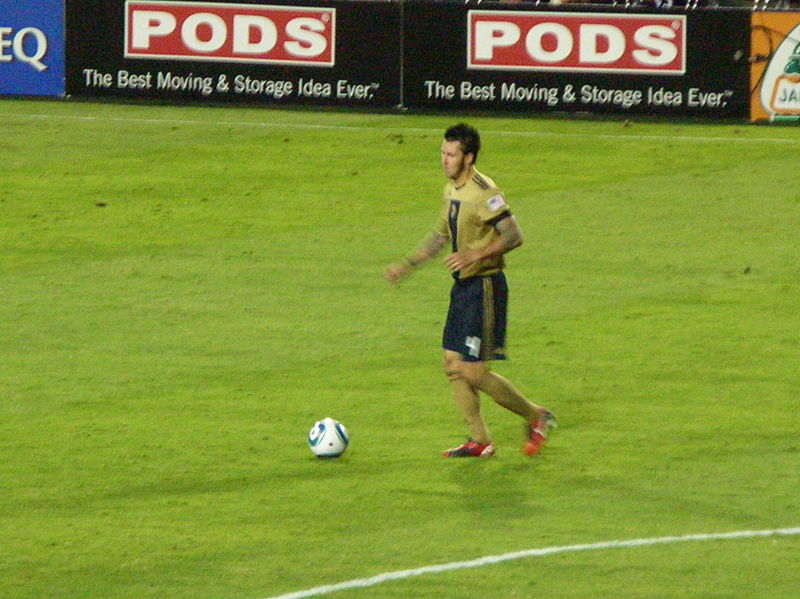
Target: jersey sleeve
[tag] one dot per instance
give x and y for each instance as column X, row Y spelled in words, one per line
column 494, row 207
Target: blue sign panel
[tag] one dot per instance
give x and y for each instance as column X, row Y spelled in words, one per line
column 32, row 47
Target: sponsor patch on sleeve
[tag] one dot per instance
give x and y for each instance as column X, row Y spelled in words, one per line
column 496, row 203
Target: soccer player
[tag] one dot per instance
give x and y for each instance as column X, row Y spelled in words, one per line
column 477, row 224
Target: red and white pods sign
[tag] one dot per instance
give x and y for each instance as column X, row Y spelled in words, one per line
column 579, row 42
column 247, row 33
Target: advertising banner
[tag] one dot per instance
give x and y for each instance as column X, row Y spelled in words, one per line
column 325, row 52
column 775, row 70
column 663, row 62
column 32, row 48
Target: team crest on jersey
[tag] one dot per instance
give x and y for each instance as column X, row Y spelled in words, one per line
column 497, row 202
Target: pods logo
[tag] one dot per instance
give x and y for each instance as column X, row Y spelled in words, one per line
column 245, row 33
column 577, row 42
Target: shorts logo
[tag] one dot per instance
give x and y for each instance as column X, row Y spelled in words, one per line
column 474, row 345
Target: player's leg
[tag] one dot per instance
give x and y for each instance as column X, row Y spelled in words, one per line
column 464, row 309
column 538, row 418
column 494, row 315
column 500, row 389
column 466, row 398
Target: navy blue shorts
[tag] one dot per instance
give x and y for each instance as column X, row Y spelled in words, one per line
column 476, row 320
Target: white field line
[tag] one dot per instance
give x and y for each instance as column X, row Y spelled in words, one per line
column 312, row 126
column 358, row 583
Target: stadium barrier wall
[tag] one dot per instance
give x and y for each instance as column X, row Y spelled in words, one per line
column 275, row 52
column 32, row 48
column 597, row 60
column 412, row 54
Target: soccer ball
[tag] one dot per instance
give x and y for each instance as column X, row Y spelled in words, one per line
column 328, row 438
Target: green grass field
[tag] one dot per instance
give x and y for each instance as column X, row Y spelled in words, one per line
column 186, row 290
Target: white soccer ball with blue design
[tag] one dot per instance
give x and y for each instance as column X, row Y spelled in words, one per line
column 328, row 438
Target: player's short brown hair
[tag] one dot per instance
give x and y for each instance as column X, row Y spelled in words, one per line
column 467, row 136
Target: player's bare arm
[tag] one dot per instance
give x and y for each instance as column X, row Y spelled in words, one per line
column 509, row 237
column 427, row 249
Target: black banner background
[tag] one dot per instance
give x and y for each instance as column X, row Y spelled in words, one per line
column 367, row 54
column 383, row 45
column 717, row 68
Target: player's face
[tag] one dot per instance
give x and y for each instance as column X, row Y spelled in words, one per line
column 455, row 163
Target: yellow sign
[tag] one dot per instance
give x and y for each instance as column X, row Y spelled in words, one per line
column 775, row 66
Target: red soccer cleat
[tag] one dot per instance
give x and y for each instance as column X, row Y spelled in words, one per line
column 537, row 432
column 471, row 449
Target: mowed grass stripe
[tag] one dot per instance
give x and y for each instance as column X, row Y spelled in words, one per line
column 506, row 557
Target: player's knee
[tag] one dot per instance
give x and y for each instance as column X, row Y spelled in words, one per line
column 474, row 373
column 452, row 368
column 452, row 372
column 453, row 375
column 456, row 369
column 473, row 379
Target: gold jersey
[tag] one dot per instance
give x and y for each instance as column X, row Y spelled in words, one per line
column 467, row 219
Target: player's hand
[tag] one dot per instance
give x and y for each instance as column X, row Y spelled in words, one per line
column 395, row 272
column 460, row 260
